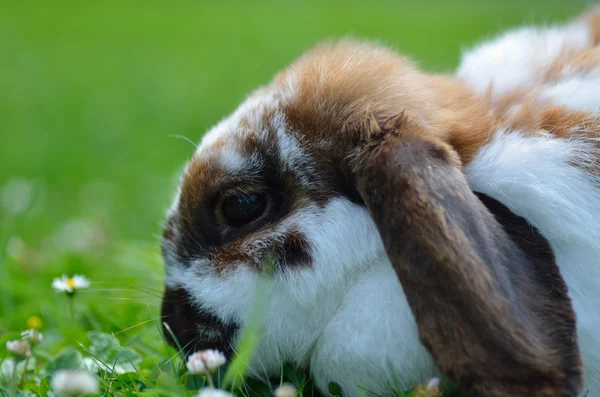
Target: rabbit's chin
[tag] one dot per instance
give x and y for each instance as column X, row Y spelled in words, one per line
column 344, row 315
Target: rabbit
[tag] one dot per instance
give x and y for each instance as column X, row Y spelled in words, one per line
column 409, row 224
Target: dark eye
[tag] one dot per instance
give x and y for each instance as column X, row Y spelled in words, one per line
column 243, row 209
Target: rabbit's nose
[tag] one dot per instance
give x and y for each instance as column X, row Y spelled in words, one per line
column 190, row 328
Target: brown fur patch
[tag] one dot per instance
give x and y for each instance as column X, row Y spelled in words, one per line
column 554, row 119
column 168, row 232
column 338, row 85
column 573, row 62
column 592, row 19
column 287, row 251
column 295, row 250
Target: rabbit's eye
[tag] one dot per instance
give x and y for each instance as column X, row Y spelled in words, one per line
column 243, row 209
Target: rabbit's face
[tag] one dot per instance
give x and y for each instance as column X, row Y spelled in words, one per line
column 256, row 200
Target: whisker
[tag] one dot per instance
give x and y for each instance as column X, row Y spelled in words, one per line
column 137, row 325
column 138, row 301
column 133, row 286
column 185, row 138
column 121, row 290
column 181, row 300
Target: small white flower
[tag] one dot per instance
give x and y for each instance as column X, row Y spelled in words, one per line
column 19, row 348
column 212, row 392
column 433, row 383
column 70, row 284
column 205, row 362
column 33, row 336
column 286, row 390
column 74, row 382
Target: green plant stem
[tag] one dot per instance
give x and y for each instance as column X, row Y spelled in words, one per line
column 22, row 381
column 211, row 383
column 72, row 313
column 13, row 384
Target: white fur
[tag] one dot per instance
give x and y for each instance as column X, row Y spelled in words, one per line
column 232, row 161
column 294, row 158
column 251, row 110
column 371, row 341
column 518, row 59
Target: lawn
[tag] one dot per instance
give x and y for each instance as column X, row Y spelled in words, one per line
column 94, row 102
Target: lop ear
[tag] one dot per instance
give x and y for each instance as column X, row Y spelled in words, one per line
column 492, row 308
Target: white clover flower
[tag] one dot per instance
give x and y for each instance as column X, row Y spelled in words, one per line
column 19, row 348
column 205, row 362
column 212, row 392
column 70, row 284
column 33, row 336
column 286, row 390
column 74, row 382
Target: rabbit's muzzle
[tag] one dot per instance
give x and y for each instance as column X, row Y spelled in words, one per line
column 189, row 328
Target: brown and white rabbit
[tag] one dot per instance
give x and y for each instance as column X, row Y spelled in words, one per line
column 417, row 221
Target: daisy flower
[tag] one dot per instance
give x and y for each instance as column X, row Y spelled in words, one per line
column 74, row 382
column 205, row 362
column 19, row 348
column 32, row 336
column 70, row 285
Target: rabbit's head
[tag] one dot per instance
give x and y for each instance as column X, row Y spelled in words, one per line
column 335, row 180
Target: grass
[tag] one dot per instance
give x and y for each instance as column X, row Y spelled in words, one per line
column 92, row 97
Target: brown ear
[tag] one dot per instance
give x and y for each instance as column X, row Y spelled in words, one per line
column 493, row 312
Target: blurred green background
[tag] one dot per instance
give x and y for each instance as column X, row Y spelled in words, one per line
column 93, row 93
